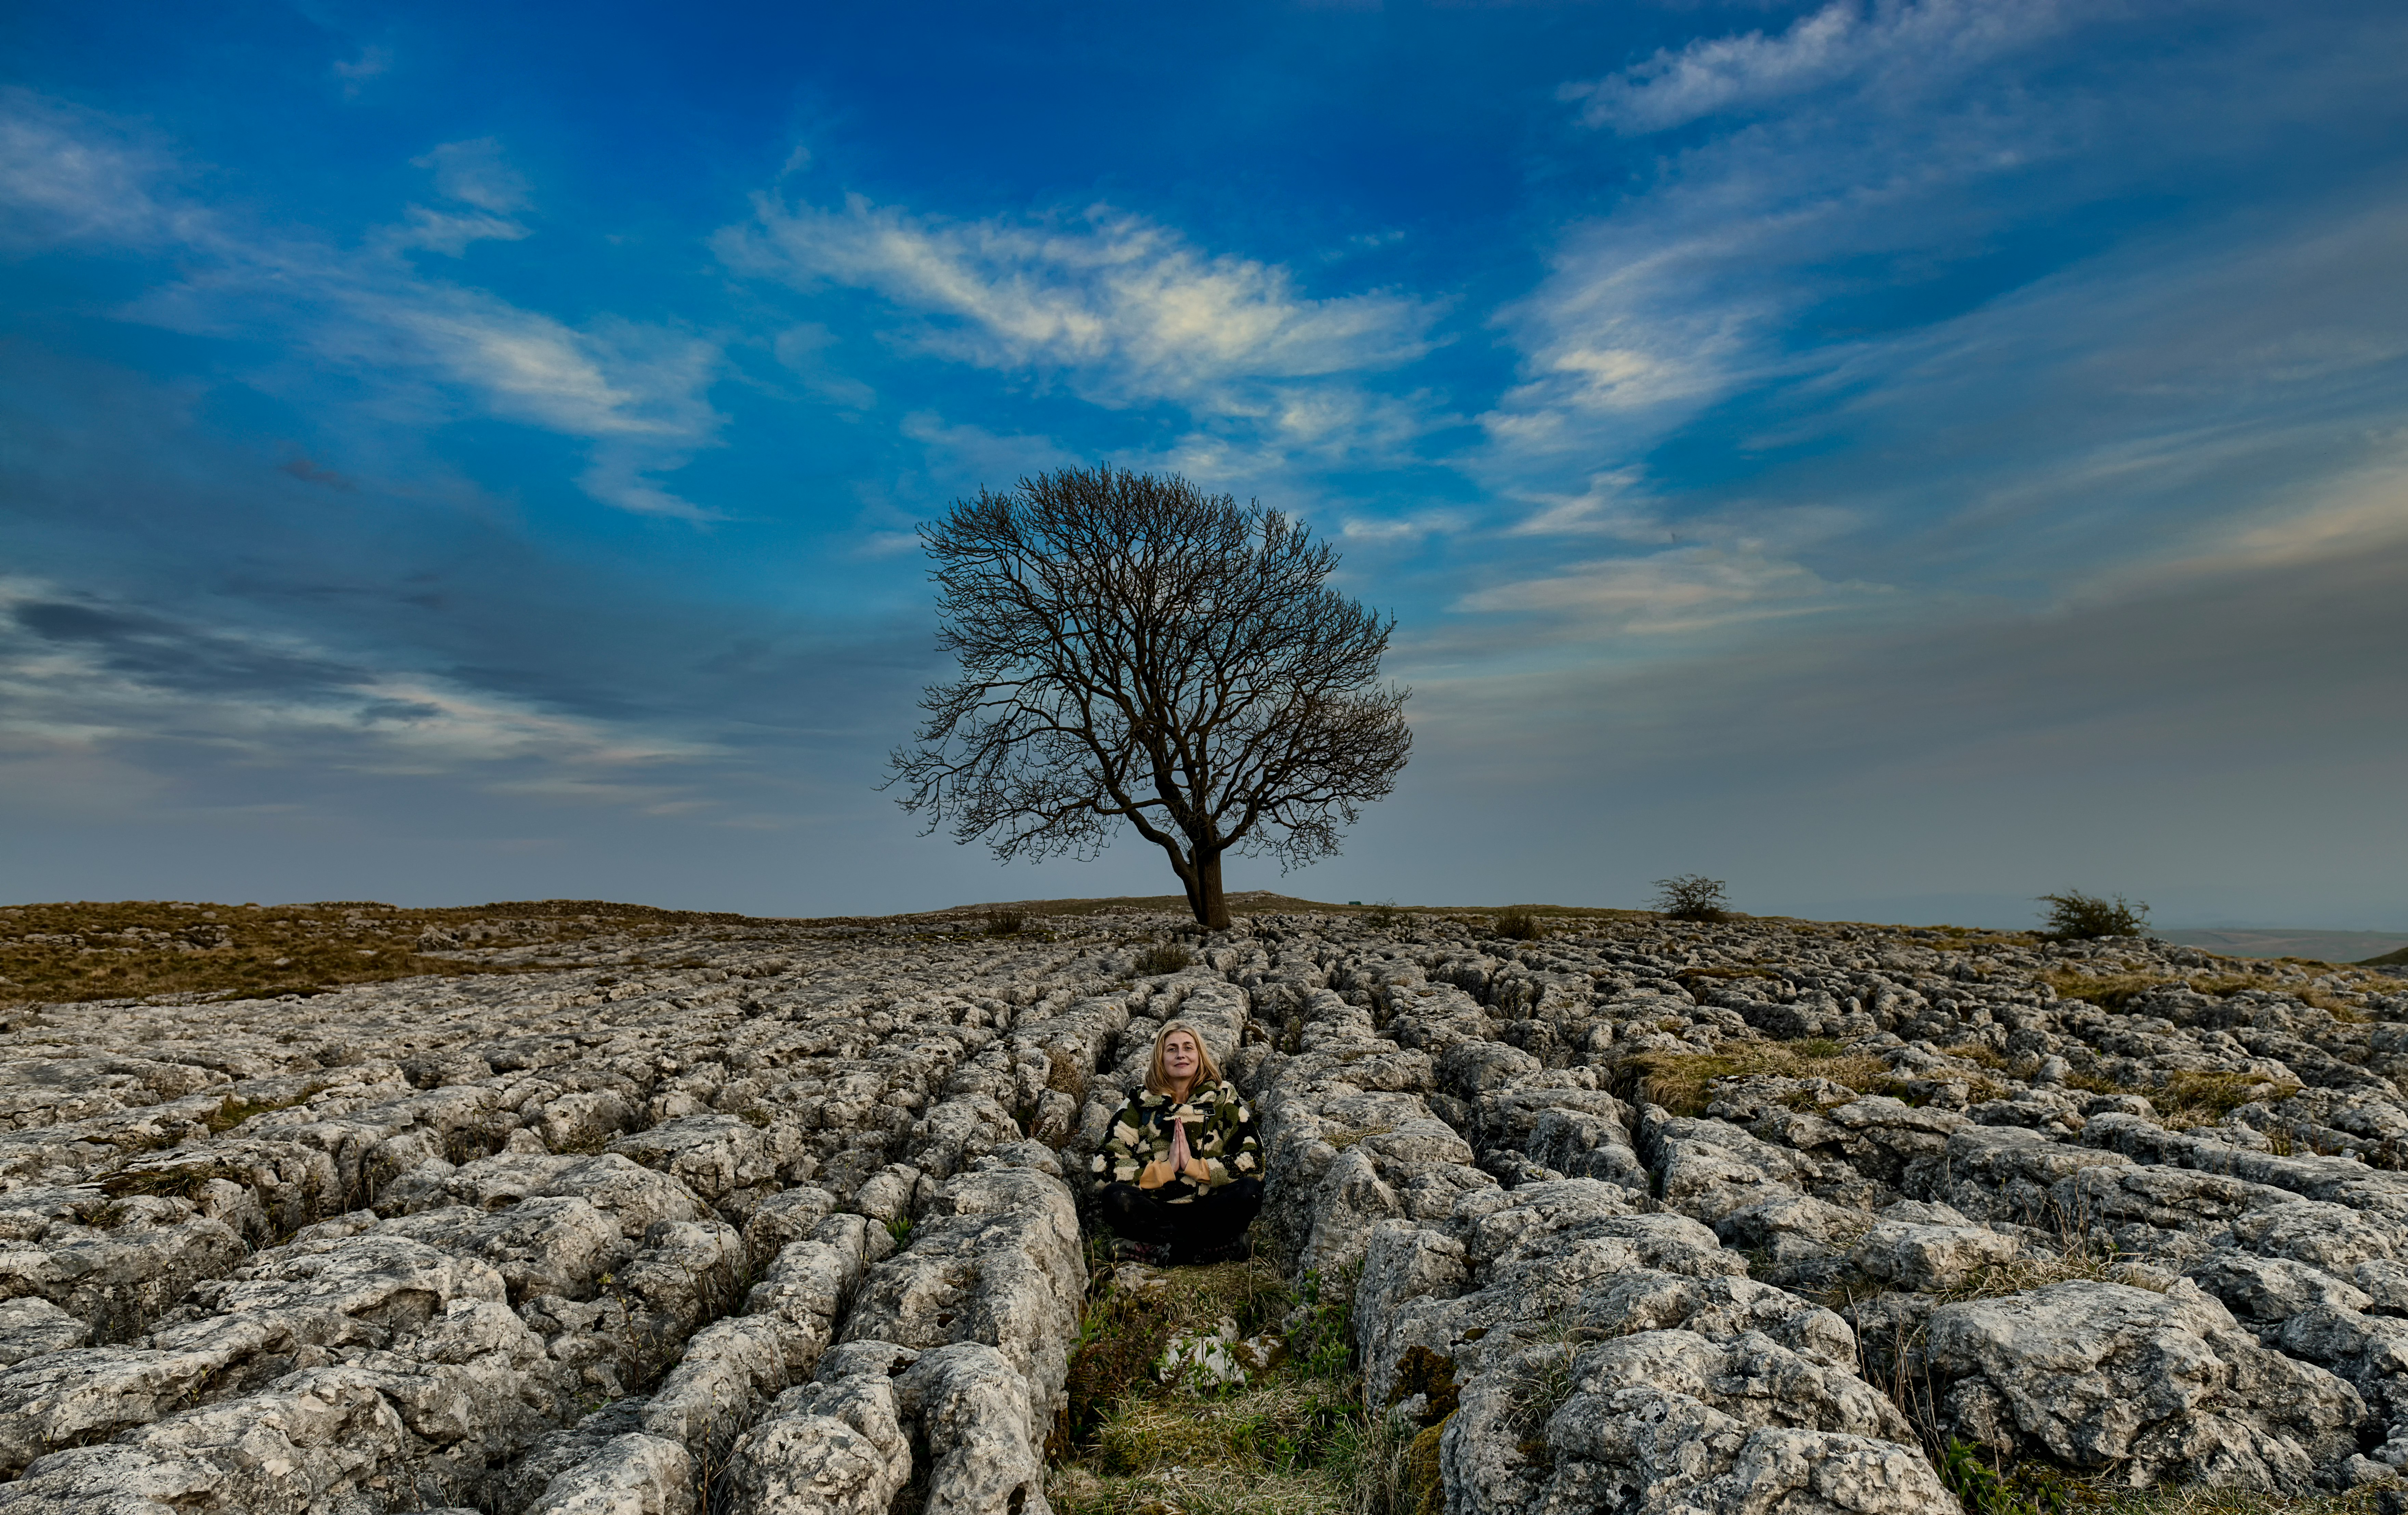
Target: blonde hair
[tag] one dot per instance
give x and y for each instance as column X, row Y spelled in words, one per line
column 1208, row 1073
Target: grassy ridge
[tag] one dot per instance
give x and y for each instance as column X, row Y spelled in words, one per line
column 133, row 949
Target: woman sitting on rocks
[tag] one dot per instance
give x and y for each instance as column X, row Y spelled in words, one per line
column 1183, row 1174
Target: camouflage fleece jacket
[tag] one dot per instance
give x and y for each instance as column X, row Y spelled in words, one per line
column 1219, row 1135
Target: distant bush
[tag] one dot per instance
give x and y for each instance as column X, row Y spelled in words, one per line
column 1006, row 922
column 1518, row 924
column 1384, row 916
column 1167, row 957
column 1692, row 896
column 2074, row 916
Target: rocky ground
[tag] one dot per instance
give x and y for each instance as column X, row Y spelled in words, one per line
column 1634, row 1216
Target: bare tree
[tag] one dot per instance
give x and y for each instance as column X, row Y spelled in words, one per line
column 1133, row 648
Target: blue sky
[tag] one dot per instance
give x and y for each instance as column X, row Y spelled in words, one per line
column 1898, row 458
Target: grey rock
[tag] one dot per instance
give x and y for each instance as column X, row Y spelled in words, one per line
column 1339, row 1160
column 1671, row 1420
column 1909, row 1255
column 548, row 1244
column 824, row 1448
column 966, row 1127
column 984, row 1429
column 2385, row 1284
column 1403, row 1263
column 713, row 1156
column 2143, row 1387
column 895, row 1192
column 808, row 1085
column 787, row 1216
column 1708, row 1169
column 634, row 1197
column 583, row 1120
column 632, row 1474
column 119, row 1276
column 996, row 1262
column 2271, row 1290
column 806, row 1288
column 2334, row 1238
column 31, row 1326
column 729, row 1369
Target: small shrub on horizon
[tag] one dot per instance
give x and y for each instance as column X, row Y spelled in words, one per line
column 1518, row 924
column 1006, row 922
column 1384, row 916
column 2074, row 916
column 1692, row 896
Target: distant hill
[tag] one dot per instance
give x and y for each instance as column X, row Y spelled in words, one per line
column 2281, row 941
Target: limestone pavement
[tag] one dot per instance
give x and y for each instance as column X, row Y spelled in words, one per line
column 1638, row 1218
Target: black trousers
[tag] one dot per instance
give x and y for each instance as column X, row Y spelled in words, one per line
column 1213, row 1218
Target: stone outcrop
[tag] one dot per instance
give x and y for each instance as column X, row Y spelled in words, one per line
column 1645, row 1218
column 542, row 1243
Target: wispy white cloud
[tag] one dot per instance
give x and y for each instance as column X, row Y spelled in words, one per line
column 1412, row 527
column 73, row 179
column 958, row 450
column 1692, row 288
column 477, row 172
column 804, row 349
column 1893, row 41
column 2360, row 514
column 622, row 477
column 448, row 232
column 1611, row 506
column 1128, row 308
column 90, row 678
column 614, row 379
column 1680, row 590
column 373, row 61
column 70, row 176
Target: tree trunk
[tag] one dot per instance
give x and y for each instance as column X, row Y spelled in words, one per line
column 1211, row 909
column 1191, row 881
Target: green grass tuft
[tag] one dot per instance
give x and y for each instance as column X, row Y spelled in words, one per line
column 1292, row 1440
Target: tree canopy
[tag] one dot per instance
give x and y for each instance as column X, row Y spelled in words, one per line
column 1133, row 648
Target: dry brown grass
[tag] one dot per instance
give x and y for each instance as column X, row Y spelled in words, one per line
column 1159, row 958
column 2117, row 992
column 1243, row 1431
column 1965, row 940
column 1195, row 1491
column 2194, row 1500
column 1980, row 1054
column 1686, row 976
column 2110, row 992
column 2187, row 1099
column 133, row 949
column 1679, row 1082
column 2024, row 1274
column 2079, row 1254
column 2191, row 1098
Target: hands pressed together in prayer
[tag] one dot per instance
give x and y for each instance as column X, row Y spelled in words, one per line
column 1181, row 1164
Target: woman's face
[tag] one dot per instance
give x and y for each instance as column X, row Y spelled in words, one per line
column 1180, row 1058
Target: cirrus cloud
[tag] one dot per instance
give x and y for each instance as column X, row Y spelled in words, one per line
column 73, row 179
column 1127, row 307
